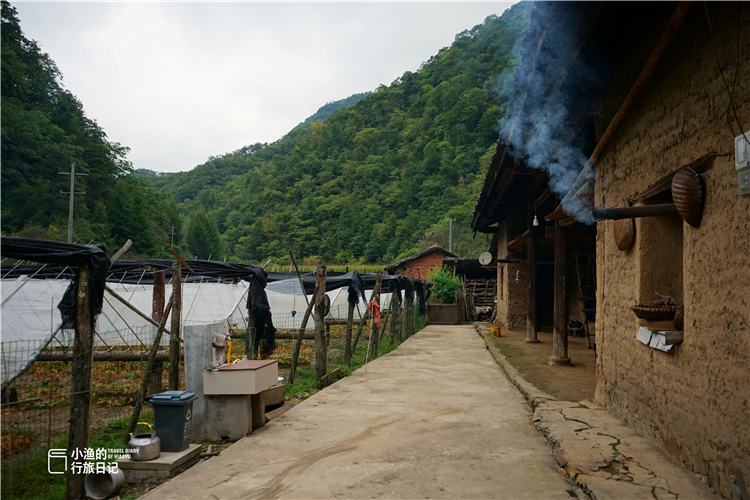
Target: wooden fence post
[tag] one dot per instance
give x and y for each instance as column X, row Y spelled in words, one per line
column 252, row 331
column 320, row 343
column 157, row 310
column 348, row 339
column 174, row 342
column 149, row 367
column 80, row 401
column 375, row 332
column 395, row 306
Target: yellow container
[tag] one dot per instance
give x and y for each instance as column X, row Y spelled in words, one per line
column 495, row 331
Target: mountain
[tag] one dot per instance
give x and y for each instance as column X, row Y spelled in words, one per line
column 373, row 181
column 44, row 132
column 328, row 109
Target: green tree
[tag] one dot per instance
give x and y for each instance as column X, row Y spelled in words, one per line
column 203, row 237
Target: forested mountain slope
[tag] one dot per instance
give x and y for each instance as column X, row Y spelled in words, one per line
column 45, row 130
column 327, row 109
column 375, row 180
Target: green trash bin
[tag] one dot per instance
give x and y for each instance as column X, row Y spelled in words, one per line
column 173, row 415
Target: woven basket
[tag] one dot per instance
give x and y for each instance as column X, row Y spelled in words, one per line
column 655, row 312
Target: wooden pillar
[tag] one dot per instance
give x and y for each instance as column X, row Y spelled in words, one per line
column 500, row 283
column 531, row 317
column 375, row 333
column 80, row 401
column 560, row 330
column 157, row 311
column 320, row 343
column 174, row 341
column 348, row 339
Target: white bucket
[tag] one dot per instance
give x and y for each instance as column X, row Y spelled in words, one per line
column 100, row 486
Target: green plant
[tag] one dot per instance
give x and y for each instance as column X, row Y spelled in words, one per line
column 445, row 285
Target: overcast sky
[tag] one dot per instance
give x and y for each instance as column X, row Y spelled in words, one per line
column 178, row 82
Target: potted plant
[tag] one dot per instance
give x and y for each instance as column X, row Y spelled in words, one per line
column 443, row 307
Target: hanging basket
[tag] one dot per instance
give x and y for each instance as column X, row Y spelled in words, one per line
column 687, row 193
column 655, row 312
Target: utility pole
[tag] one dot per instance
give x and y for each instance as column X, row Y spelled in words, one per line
column 450, row 234
column 173, row 228
column 72, row 193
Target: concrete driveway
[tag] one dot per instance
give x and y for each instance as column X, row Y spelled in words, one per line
column 436, row 418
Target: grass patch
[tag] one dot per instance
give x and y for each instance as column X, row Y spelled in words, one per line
column 304, row 381
column 30, row 478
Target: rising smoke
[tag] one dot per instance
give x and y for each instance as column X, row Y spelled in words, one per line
column 550, row 94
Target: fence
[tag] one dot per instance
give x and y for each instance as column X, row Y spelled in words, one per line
column 36, row 406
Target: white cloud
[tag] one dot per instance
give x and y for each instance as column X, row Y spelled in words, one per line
column 178, row 82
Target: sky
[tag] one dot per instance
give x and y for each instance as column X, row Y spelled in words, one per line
column 178, row 82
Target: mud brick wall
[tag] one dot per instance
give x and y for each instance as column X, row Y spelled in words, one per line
column 421, row 267
column 694, row 400
column 512, row 297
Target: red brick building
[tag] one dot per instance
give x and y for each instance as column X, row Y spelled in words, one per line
column 422, row 264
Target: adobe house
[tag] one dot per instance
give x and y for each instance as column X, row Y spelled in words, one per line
column 633, row 112
column 419, row 266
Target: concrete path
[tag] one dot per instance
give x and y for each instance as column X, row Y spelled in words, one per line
column 436, row 418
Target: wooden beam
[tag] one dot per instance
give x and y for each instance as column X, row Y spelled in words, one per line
column 104, row 356
column 135, row 310
column 634, row 212
column 121, row 251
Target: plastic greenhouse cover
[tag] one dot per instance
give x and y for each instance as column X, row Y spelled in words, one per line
column 30, row 315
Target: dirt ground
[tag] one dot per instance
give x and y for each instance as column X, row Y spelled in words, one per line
column 576, row 382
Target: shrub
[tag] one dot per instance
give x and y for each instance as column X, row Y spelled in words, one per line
column 445, row 285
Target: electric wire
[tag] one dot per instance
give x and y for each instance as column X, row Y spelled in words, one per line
column 721, row 71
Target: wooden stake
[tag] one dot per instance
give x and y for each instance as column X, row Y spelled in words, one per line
column 348, row 338
column 149, row 367
column 80, row 401
column 321, row 354
column 157, row 312
column 375, row 332
column 395, row 325
column 174, row 341
column 298, row 345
